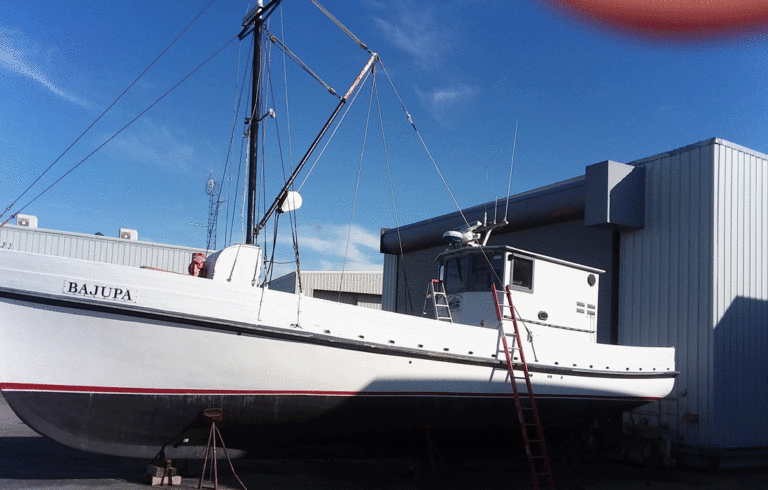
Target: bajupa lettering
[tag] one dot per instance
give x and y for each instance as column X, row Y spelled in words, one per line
column 97, row 291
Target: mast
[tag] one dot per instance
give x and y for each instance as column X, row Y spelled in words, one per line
column 253, row 130
column 255, row 19
column 252, row 23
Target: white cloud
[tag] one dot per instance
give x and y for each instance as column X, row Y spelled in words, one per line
column 154, row 144
column 20, row 56
column 418, row 34
column 443, row 102
column 325, row 246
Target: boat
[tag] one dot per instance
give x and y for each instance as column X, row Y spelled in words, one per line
column 125, row 361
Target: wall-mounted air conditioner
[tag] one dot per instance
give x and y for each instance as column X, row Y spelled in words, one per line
column 26, row 220
column 127, row 234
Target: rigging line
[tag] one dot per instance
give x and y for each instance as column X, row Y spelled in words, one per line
column 285, row 92
column 237, row 186
column 123, row 128
column 357, row 188
column 389, row 171
column 293, row 215
column 341, row 26
column 240, row 158
column 296, row 59
column 424, row 144
column 105, row 111
column 228, row 238
column 271, row 93
column 509, row 186
column 235, row 112
column 333, row 133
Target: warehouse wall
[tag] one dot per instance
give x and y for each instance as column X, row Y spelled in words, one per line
column 696, row 277
column 97, row 248
column 666, row 277
column 352, row 287
column 740, row 295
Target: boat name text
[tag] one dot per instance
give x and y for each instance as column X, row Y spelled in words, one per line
column 98, row 291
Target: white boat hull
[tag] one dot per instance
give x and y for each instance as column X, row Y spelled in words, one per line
column 93, row 370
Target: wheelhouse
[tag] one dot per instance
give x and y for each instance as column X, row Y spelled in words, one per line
column 546, row 291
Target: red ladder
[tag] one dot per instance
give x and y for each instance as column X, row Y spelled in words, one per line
column 535, row 446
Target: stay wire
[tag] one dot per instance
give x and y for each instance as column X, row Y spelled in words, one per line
column 389, row 170
column 293, row 216
column 235, row 113
column 231, row 221
column 122, row 129
column 357, row 189
column 424, row 145
column 328, row 141
column 101, row 115
column 434, row 163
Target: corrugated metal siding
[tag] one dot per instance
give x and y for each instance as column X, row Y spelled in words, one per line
column 389, row 283
column 360, row 288
column 740, row 297
column 350, row 282
column 666, row 279
column 97, row 248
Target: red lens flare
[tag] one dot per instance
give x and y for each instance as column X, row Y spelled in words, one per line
column 679, row 20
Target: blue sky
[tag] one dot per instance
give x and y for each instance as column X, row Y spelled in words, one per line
column 467, row 72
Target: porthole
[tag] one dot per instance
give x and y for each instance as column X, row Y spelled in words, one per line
column 591, row 279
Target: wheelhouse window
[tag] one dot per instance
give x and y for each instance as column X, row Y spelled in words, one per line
column 473, row 272
column 522, row 273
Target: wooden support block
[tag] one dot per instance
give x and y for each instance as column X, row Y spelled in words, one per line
column 156, row 481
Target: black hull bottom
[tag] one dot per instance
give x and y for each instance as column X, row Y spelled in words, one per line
column 140, row 425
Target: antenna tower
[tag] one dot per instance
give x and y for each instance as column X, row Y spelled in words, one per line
column 212, row 189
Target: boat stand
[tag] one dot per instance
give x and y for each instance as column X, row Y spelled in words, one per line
column 214, row 415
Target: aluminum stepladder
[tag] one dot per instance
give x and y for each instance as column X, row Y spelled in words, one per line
column 439, row 301
column 528, row 416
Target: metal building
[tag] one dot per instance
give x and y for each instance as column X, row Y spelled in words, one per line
column 354, row 288
column 683, row 238
column 124, row 250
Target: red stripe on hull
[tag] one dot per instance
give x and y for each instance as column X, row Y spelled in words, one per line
column 177, row 391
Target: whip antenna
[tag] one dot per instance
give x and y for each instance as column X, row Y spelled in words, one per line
column 509, row 185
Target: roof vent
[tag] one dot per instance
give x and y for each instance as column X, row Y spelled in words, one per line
column 26, row 220
column 127, row 234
